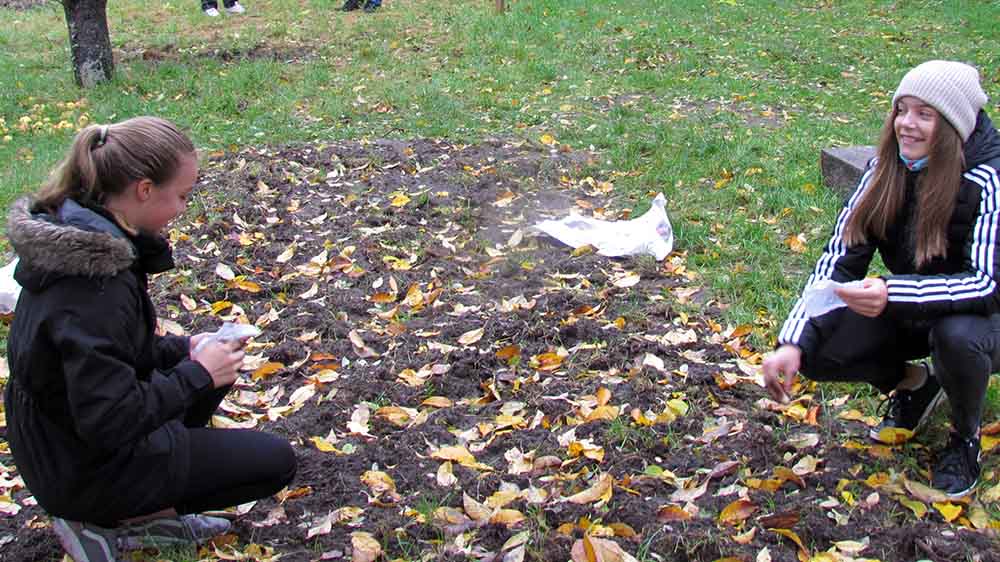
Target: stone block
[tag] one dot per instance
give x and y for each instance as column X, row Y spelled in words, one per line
column 842, row 166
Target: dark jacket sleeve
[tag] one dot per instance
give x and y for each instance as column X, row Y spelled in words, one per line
column 110, row 406
column 971, row 291
column 171, row 350
column 839, row 263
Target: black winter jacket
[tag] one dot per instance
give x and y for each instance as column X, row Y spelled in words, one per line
column 95, row 400
column 964, row 281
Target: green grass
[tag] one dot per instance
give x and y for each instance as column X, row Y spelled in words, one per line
column 680, row 95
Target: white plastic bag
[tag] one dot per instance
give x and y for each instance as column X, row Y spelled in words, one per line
column 228, row 332
column 9, row 289
column 819, row 298
column 649, row 234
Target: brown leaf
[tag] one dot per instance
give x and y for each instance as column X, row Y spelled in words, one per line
column 669, row 513
column 779, row 520
column 736, row 512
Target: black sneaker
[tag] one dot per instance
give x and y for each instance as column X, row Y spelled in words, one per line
column 350, row 5
column 957, row 470
column 907, row 409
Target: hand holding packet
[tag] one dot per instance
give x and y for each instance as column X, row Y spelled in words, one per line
column 819, row 298
column 228, row 332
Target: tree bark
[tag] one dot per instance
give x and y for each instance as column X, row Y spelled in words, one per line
column 89, row 41
column 501, row 6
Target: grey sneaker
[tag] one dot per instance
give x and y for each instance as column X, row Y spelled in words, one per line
column 236, row 9
column 86, row 542
column 182, row 530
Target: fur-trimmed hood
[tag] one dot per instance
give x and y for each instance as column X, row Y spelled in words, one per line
column 77, row 241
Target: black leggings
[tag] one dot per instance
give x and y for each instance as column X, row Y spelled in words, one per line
column 965, row 349
column 231, row 466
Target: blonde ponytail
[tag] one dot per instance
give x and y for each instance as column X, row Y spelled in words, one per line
column 104, row 159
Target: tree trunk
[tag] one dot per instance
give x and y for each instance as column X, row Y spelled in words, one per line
column 501, row 6
column 89, row 41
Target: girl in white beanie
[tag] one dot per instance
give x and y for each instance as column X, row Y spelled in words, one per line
column 929, row 203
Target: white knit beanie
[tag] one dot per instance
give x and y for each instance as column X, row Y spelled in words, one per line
column 950, row 87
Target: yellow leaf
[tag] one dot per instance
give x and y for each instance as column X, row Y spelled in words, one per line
column 219, row 306
column 244, row 285
column 736, row 512
column 948, row 510
column 325, row 446
column 266, row 370
column 988, row 442
column 400, row 200
column 547, row 139
column 894, row 435
column 794, row 538
column 583, row 250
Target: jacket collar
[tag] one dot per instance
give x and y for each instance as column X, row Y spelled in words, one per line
column 80, row 241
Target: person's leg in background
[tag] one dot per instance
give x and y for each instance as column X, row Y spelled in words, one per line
column 210, row 8
column 372, row 5
column 966, row 349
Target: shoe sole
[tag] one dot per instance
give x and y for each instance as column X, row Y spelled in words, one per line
column 963, row 493
column 873, row 434
column 72, row 544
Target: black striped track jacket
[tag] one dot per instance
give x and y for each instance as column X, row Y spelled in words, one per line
column 964, row 281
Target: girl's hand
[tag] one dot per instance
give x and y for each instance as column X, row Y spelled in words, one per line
column 222, row 360
column 868, row 300
column 779, row 371
column 195, row 339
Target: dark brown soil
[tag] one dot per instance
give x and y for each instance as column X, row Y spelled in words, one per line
column 442, row 259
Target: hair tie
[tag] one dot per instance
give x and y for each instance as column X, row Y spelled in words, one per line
column 104, row 136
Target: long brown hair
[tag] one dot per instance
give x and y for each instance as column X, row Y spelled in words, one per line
column 937, row 188
column 104, row 159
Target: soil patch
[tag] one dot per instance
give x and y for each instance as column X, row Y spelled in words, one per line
column 458, row 389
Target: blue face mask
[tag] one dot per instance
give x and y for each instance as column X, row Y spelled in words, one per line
column 914, row 165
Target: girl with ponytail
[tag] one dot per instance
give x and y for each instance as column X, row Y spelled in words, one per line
column 105, row 419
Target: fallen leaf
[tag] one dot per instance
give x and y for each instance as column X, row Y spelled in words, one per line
column 736, row 512
column 225, row 272
column 948, row 510
column 593, row 549
column 471, row 337
column 445, row 476
column 365, row 547
column 600, row 492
